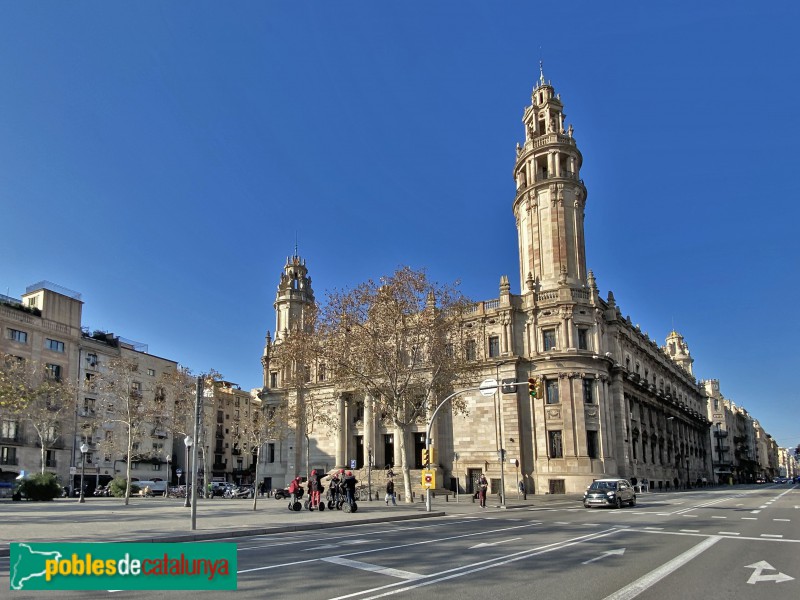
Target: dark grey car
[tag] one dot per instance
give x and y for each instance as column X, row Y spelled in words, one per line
column 609, row 492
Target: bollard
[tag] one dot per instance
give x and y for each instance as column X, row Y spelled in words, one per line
column 447, row 498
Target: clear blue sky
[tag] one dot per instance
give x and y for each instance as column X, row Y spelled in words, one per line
column 161, row 157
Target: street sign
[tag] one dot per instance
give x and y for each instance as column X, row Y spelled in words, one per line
column 73, row 470
column 428, row 479
column 178, row 472
column 488, row 387
column 352, row 463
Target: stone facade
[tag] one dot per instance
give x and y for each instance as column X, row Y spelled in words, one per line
column 613, row 402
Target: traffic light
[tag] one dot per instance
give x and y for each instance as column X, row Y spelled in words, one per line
column 425, row 458
column 532, row 387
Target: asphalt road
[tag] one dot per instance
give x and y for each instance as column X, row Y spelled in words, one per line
column 720, row 543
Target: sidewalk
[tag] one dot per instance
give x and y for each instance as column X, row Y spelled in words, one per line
column 167, row 520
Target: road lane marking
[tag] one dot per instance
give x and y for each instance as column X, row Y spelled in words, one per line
column 749, row 519
column 787, row 520
column 654, row 528
column 479, row 566
column 716, row 517
column 646, row 581
column 771, row 535
column 690, row 530
column 729, row 533
column 357, row 564
column 754, row 512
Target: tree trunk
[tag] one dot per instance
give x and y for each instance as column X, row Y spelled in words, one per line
column 128, row 468
column 308, row 460
column 404, row 464
column 44, row 450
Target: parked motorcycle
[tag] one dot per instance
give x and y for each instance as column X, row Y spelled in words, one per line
column 282, row 493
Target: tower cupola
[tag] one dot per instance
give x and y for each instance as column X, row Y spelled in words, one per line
column 550, row 198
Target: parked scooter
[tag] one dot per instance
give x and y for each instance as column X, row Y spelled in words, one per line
column 239, row 492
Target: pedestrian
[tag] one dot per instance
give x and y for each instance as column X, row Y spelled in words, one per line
column 315, row 487
column 350, row 487
column 390, row 493
column 483, row 487
column 294, row 490
column 522, row 490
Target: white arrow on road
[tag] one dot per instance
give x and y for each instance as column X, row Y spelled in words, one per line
column 618, row 552
column 763, row 565
column 486, row 544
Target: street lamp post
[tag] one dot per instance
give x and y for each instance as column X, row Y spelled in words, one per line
column 169, row 475
column 369, row 472
column 84, row 450
column 188, row 443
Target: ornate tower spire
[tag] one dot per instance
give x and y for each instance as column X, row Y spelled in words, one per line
column 293, row 297
column 550, row 198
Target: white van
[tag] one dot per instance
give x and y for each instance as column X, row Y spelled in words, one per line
column 158, row 488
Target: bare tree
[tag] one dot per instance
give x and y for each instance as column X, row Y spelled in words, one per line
column 131, row 409
column 256, row 427
column 399, row 341
column 36, row 393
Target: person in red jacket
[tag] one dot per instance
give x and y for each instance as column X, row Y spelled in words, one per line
column 294, row 488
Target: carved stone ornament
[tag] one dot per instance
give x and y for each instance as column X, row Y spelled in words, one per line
column 553, row 413
column 591, row 412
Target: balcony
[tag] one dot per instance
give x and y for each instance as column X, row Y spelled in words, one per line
column 720, row 434
column 17, row 439
column 219, row 467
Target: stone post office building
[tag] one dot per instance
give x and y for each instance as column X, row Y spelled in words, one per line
column 614, row 402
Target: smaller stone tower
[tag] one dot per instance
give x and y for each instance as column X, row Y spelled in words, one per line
column 678, row 350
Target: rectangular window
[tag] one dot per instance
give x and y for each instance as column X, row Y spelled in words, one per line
column 53, row 372
column 470, row 350
column 54, row 345
column 583, row 338
column 551, row 391
column 494, row 346
column 591, row 444
column 50, row 458
column 273, row 379
column 151, row 372
column 588, row 391
column 271, row 453
column 18, row 336
column 8, row 456
column 88, row 407
column 91, row 360
column 321, row 372
column 555, row 444
column 549, row 339
column 9, row 431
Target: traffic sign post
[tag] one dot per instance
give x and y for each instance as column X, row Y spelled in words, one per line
column 428, row 479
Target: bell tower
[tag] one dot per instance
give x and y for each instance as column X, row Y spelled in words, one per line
column 294, row 296
column 550, row 198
